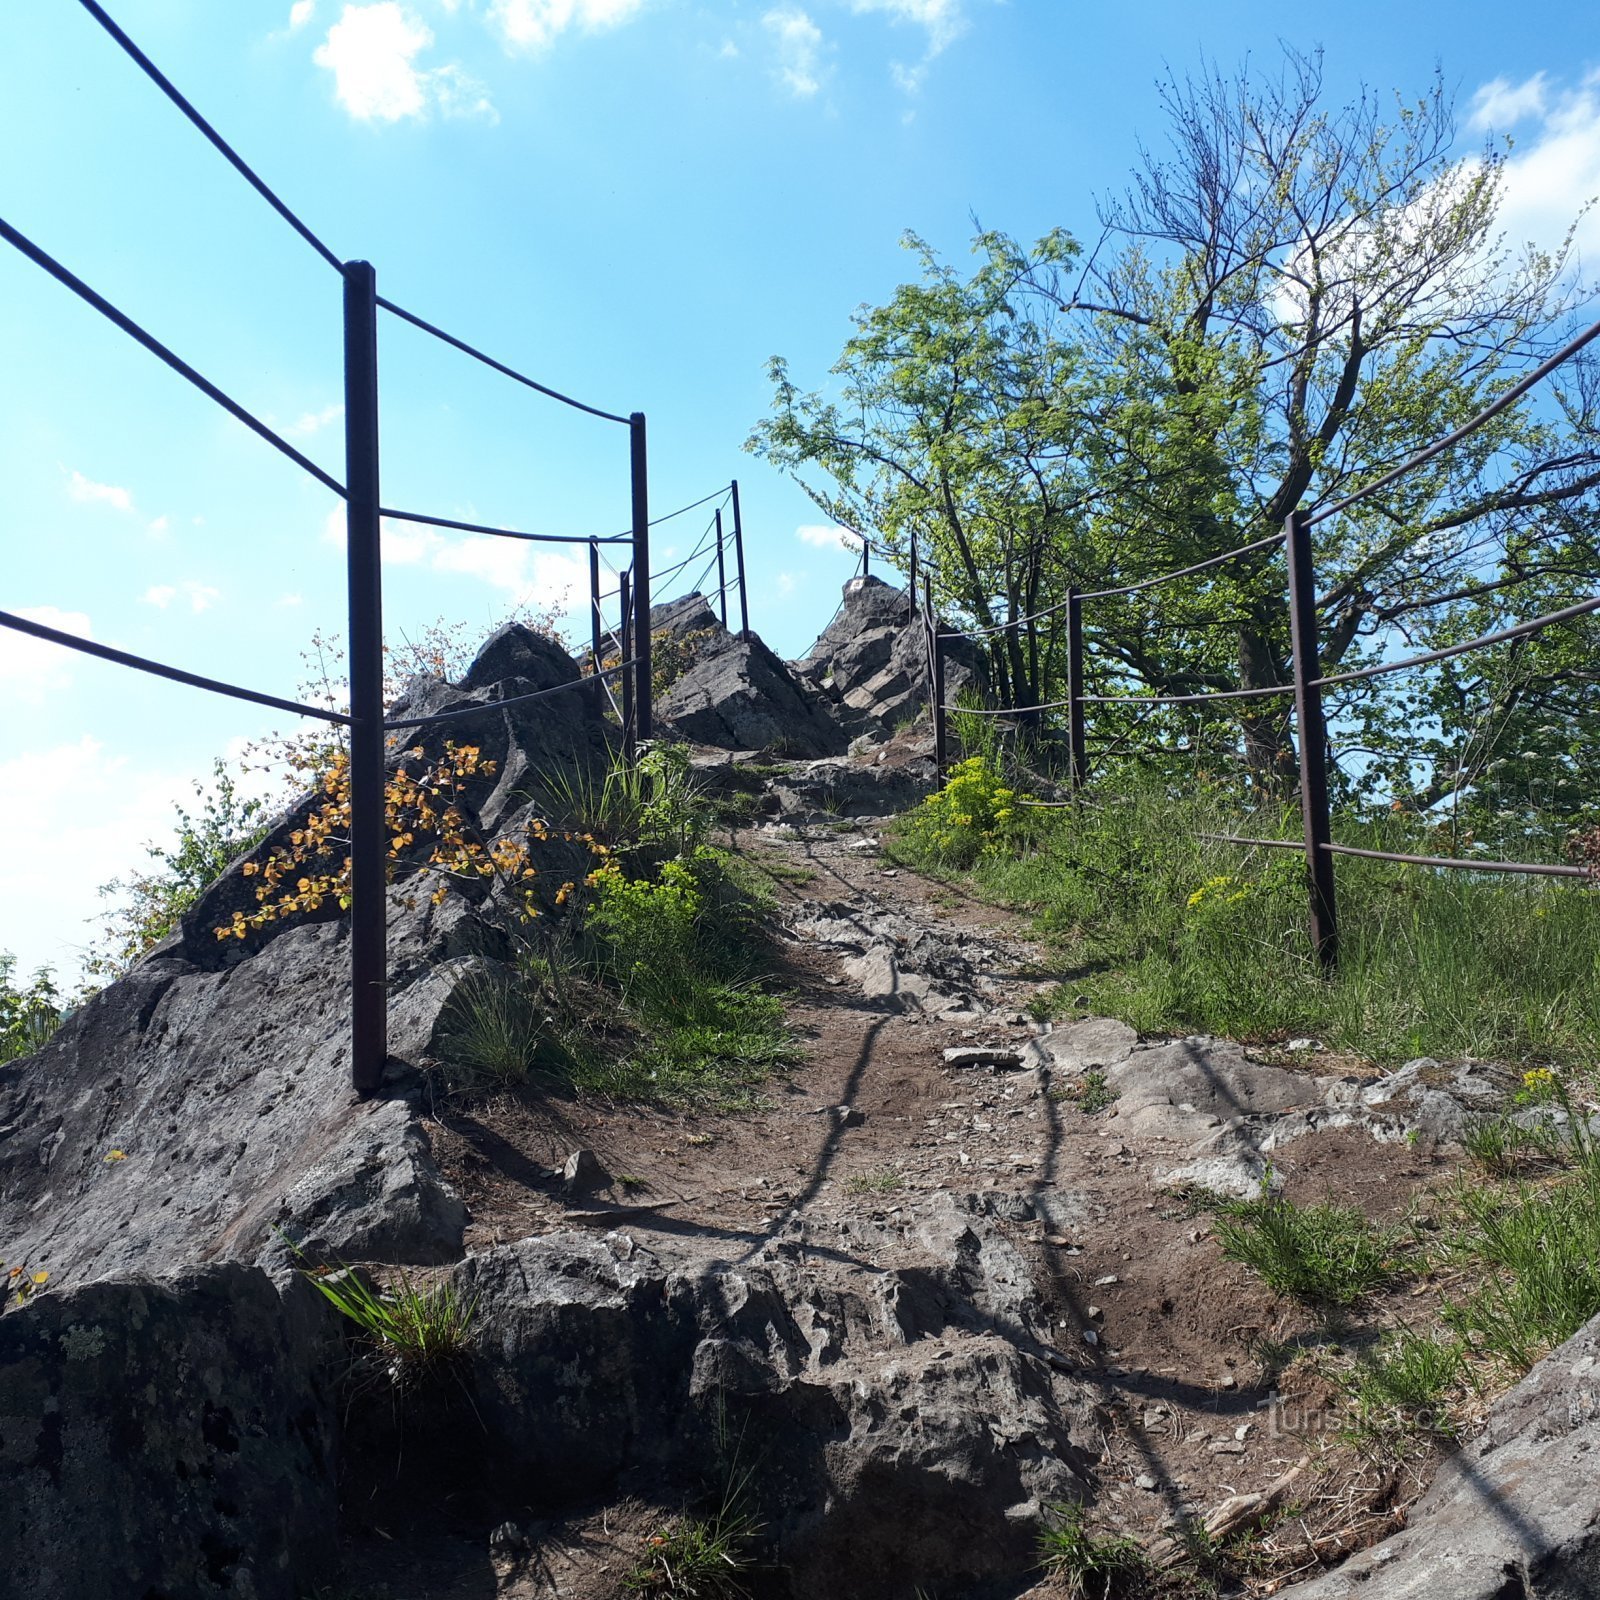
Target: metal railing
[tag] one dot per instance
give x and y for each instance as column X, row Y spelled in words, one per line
column 1305, row 686
column 365, row 514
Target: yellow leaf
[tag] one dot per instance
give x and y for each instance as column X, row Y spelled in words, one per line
column 116, row 1155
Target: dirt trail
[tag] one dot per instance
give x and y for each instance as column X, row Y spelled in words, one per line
column 887, row 971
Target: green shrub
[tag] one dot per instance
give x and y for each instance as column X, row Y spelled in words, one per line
column 1401, row 1388
column 976, row 813
column 418, row 1333
column 1092, row 1566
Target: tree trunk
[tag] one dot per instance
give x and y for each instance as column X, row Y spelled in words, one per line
column 1269, row 756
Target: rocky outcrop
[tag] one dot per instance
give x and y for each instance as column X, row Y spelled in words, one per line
column 185, row 1113
column 871, row 659
column 1512, row 1516
column 171, row 1438
column 735, row 693
column 923, row 1396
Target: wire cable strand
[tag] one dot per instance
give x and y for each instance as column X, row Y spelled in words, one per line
column 716, row 494
column 232, row 156
column 502, row 533
column 1482, row 642
column 126, row 323
column 498, row 366
column 124, row 658
column 1533, row 868
column 1471, row 426
column 512, row 700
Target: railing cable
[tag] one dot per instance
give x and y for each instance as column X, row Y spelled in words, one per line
column 232, row 156
column 126, row 323
column 124, row 658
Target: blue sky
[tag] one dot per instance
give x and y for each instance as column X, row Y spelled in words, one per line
column 637, row 201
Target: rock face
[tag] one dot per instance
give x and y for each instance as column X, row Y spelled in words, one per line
column 167, row 1438
column 924, row 1397
column 218, row 1070
column 872, row 659
column 1512, row 1516
column 735, row 693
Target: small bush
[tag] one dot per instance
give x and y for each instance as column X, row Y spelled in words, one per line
column 28, row 1016
column 1092, row 1566
column 975, row 814
column 1326, row 1255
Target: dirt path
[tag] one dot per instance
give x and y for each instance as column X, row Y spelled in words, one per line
column 887, row 971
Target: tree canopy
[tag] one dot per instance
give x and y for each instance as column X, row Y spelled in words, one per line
column 1288, row 300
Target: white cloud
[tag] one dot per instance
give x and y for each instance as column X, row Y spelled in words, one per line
column 372, row 53
column 1500, row 105
column 160, row 525
column 827, row 536
column 533, row 24
column 34, row 669
column 201, row 596
column 942, row 21
column 311, row 422
column 287, row 600
column 787, row 582
column 300, row 13
column 1553, row 172
column 799, row 42
column 85, row 491
column 107, row 807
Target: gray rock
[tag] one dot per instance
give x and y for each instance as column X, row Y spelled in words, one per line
column 1000, row 1057
column 872, row 659
column 1513, row 1513
column 1075, row 1047
column 169, row 1437
column 1185, row 1089
column 583, row 1173
column 921, row 1398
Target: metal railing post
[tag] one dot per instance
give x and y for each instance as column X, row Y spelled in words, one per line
column 722, row 572
column 936, row 680
column 911, row 580
column 596, row 655
column 625, row 644
column 1313, row 740
column 1077, row 732
column 369, row 1048
column 640, row 471
column 738, row 562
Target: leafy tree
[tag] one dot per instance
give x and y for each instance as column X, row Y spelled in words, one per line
column 148, row 905
column 28, row 1016
column 1286, row 303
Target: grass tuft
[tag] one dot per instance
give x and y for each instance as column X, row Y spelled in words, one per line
column 421, row 1333
column 1092, row 1566
column 1325, row 1255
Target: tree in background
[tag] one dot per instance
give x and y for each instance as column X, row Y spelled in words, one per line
column 28, row 1016
column 1286, row 303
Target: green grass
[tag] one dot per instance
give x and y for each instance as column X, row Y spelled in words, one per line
column 420, row 1333
column 1402, row 1390
column 696, row 1558
column 1326, row 1255
column 1175, row 934
column 1092, row 1566
column 886, row 1181
column 1090, row 1094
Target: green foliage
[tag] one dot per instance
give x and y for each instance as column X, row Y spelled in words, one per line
column 976, row 813
column 1402, row 1388
column 420, row 1334
column 1091, row 1093
column 656, row 806
column 502, row 1027
column 28, row 1016
column 1092, row 1566
column 1176, row 933
column 148, row 905
column 885, row 1181
column 1326, row 1255
column 1049, row 421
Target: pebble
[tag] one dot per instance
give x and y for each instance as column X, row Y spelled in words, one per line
column 1226, row 1447
column 1144, row 1481
column 1106, row 1281
column 1090, row 1337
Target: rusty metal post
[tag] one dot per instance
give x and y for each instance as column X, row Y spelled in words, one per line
column 640, row 463
column 596, row 652
column 936, row 675
column 911, row 580
column 1313, row 734
column 1077, row 732
column 625, row 644
column 369, row 1046
column 722, row 572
